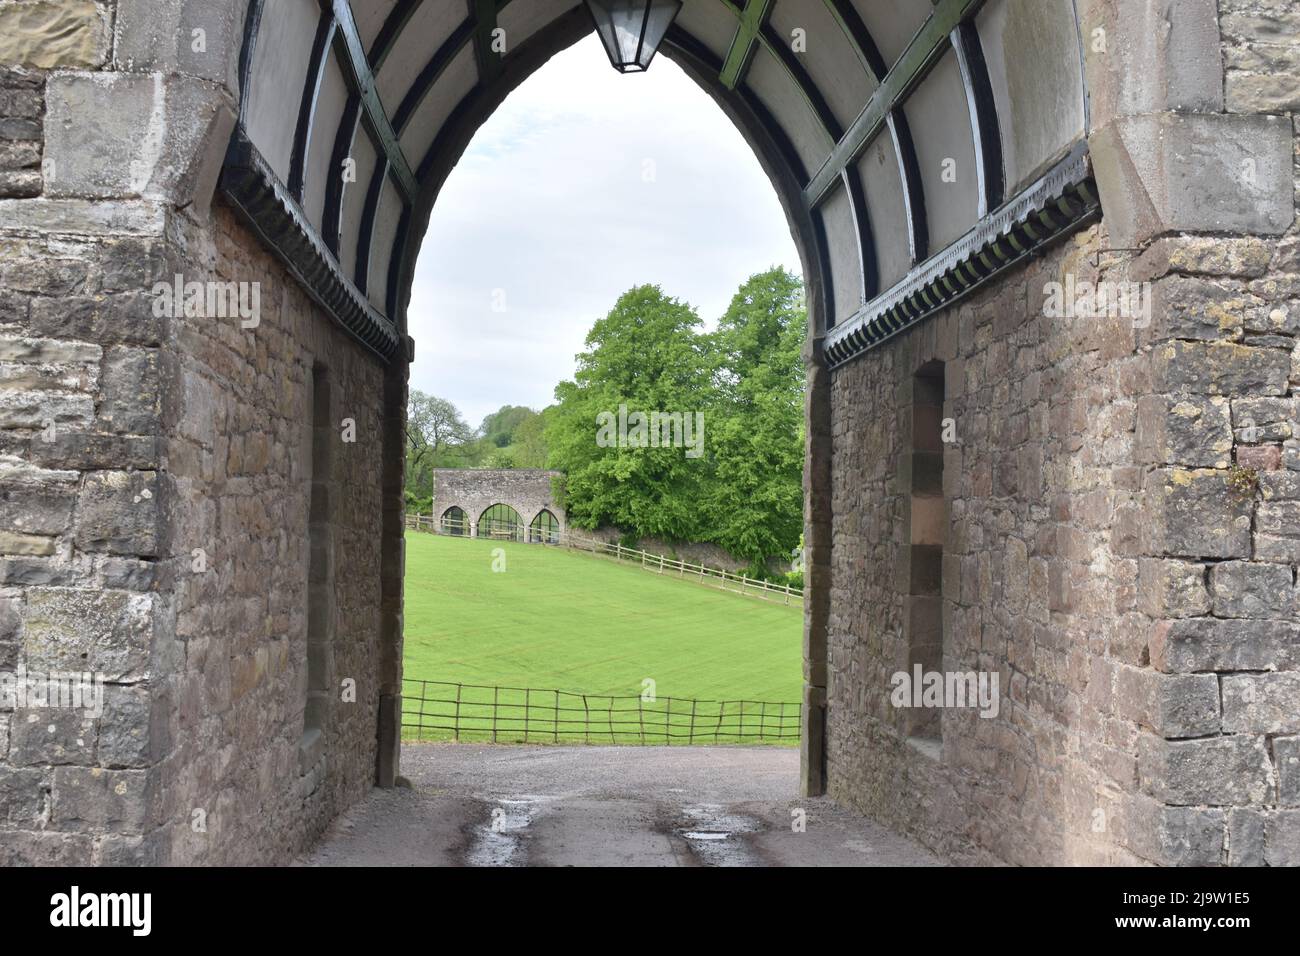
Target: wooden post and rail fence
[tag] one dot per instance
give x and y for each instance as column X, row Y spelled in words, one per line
column 718, row 578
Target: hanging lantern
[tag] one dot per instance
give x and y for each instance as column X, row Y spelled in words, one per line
column 632, row 30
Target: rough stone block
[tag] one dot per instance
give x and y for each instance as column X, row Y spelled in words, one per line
column 131, row 265
column 23, row 795
column 1261, row 93
column 105, row 632
column 10, row 617
column 1171, row 588
column 159, row 36
column 45, row 276
column 1213, row 771
column 126, row 319
column 118, row 513
column 1197, row 514
column 1192, row 432
column 32, row 544
column 1176, row 836
column 1201, row 644
column 131, row 396
column 1184, row 705
column 1246, row 589
column 47, row 351
column 1277, row 531
column 114, row 849
column 45, row 848
column 1261, row 703
column 20, row 129
column 1198, row 172
column 69, row 34
column 79, row 217
column 19, row 155
column 52, row 735
column 1265, row 419
column 37, row 409
column 1280, row 486
column 1282, row 838
column 121, row 135
column 1246, row 837
column 1203, row 255
column 1193, row 308
column 125, row 729
column 1260, row 458
column 40, row 510
column 1160, row 55
column 20, row 184
column 1222, row 368
column 86, row 797
column 127, row 574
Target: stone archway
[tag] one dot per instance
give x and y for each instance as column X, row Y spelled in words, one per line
column 928, row 155
column 528, row 491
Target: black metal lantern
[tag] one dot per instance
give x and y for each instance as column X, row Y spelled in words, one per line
column 632, row 29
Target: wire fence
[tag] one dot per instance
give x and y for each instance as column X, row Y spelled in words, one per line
column 480, row 713
column 714, row 577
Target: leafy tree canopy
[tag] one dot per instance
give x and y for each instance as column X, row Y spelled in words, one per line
column 741, row 488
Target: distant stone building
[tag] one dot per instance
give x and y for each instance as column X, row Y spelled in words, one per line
column 511, row 503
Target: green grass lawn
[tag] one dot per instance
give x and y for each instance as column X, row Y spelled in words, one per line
column 559, row 620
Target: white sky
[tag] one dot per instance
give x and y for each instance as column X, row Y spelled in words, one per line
column 550, row 205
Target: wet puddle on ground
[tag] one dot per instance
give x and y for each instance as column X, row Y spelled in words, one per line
column 499, row 841
column 715, row 837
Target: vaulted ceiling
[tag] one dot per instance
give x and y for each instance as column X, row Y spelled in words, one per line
column 918, row 147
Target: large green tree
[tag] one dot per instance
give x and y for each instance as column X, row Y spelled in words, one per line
column 499, row 428
column 754, row 501
column 647, row 355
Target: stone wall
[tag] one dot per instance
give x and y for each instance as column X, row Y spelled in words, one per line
column 474, row 490
column 81, row 502
column 239, row 448
column 1122, row 501
column 1043, row 413
column 156, row 474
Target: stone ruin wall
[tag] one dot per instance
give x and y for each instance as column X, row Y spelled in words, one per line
column 155, row 481
column 1140, row 612
column 474, row 490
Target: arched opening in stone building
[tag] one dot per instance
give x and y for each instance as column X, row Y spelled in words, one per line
column 544, row 528
column 897, row 141
column 500, row 523
column 455, row 521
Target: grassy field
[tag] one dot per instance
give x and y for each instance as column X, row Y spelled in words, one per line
column 554, row 619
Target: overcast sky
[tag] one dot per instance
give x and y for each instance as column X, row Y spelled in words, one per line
column 584, row 183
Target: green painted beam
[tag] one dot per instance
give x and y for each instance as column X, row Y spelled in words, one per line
column 485, row 20
column 741, row 51
column 371, row 105
column 921, row 54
